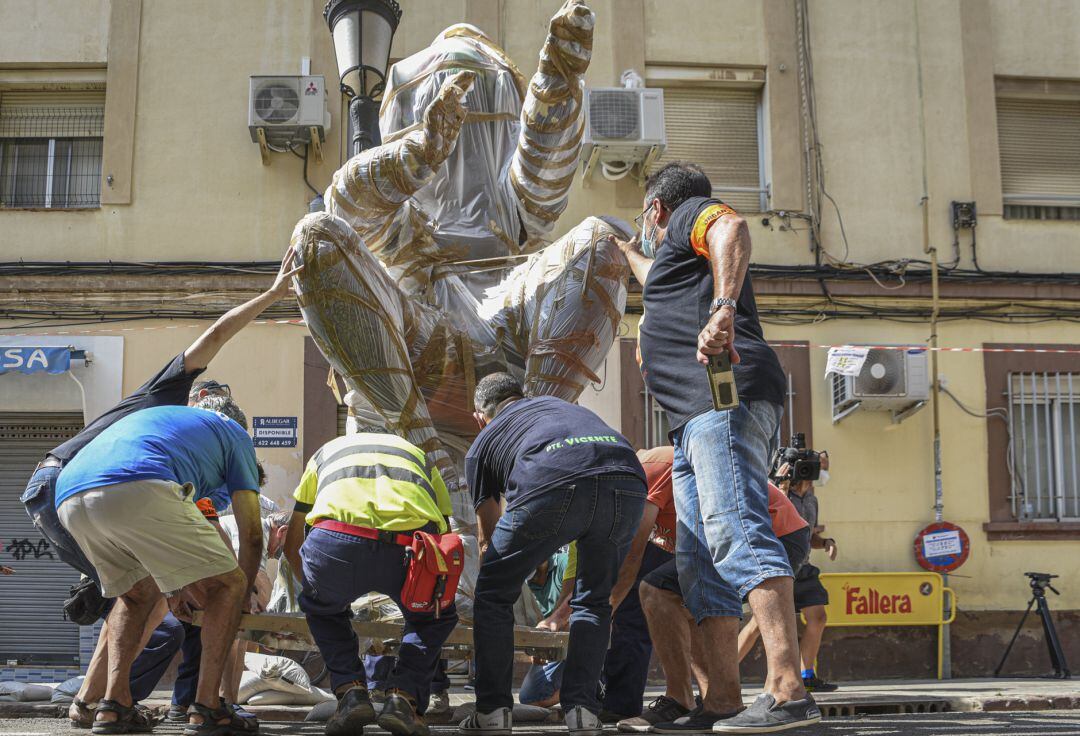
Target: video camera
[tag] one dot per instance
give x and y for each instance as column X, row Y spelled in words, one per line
column 1041, row 581
column 802, row 463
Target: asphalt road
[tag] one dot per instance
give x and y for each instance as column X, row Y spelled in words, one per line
column 1042, row 723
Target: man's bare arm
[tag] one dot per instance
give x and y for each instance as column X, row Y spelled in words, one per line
column 487, row 514
column 632, row 563
column 639, row 262
column 559, row 617
column 203, row 350
column 729, row 257
column 293, row 539
column 245, row 506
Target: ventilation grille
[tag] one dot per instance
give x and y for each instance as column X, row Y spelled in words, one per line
column 277, row 103
column 615, row 114
column 883, row 374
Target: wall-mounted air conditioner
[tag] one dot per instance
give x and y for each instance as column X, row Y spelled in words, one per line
column 624, row 127
column 286, row 111
column 892, row 379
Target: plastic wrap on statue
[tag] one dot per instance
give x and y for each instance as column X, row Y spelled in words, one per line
column 430, row 266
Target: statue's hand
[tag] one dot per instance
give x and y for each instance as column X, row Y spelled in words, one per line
column 570, row 34
column 444, row 116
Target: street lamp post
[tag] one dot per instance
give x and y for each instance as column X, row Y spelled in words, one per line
column 362, row 31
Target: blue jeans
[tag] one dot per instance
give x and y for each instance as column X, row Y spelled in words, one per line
column 541, row 682
column 380, row 666
column 626, row 669
column 187, row 675
column 150, row 665
column 601, row 513
column 39, row 498
column 725, row 545
column 338, row 569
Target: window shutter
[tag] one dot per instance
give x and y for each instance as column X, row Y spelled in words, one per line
column 52, row 114
column 1040, row 151
column 717, row 129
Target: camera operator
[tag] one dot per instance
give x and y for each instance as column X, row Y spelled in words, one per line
column 796, row 470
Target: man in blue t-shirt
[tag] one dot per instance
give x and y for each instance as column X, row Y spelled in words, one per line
column 126, row 500
column 172, row 385
column 564, row 475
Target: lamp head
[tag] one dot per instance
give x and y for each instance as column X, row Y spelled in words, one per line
column 363, row 31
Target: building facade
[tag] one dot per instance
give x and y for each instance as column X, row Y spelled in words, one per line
column 844, row 130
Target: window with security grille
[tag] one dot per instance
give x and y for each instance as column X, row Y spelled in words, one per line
column 1039, row 141
column 720, row 130
column 1044, row 428
column 50, row 148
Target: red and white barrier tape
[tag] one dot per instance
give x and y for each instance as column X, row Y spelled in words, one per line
column 1067, row 351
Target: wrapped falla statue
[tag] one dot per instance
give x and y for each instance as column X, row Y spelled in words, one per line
column 430, row 265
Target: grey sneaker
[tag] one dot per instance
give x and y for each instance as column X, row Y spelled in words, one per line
column 581, row 722
column 498, row 722
column 765, row 716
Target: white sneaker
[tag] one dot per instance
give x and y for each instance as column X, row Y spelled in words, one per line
column 581, row 722
column 499, row 722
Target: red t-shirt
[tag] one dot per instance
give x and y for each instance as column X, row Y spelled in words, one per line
column 785, row 517
column 657, row 463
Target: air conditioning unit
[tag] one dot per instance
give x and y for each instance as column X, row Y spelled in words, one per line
column 623, row 126
column 287, row 108
column 895, row 380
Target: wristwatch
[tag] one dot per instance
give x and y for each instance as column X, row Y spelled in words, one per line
column 721, row 302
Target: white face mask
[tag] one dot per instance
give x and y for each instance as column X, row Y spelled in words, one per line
column 823, row 478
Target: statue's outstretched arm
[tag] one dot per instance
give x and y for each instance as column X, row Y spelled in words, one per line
column 372, row 185
column 551, row 120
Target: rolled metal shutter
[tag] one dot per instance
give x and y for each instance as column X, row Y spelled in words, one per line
column 717, row 129
column 52, row 114
column 1040, row 151
column 34, row 629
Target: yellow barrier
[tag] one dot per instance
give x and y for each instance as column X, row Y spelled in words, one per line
column 889, row 599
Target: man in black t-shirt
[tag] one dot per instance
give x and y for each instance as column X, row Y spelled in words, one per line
column 564, row 475
column 172, row 385
column 692, row 259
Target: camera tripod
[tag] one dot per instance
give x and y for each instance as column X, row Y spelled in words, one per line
column 1039, row 583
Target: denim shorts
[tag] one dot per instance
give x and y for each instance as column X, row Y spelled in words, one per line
column 725, row 545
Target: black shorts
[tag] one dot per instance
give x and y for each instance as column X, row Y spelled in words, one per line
column 808, row 588
column 796, row 544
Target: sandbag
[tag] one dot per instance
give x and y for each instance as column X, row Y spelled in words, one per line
column 276, row 697
column 66, row 691
column 25, row 692
column 264, row 672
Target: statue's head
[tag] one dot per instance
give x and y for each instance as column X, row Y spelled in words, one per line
column 413, row 82
column 463, row 196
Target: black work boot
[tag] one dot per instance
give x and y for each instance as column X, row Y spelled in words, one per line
column 399, row 715
column 354, row 711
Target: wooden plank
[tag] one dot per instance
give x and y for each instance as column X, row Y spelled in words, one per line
column 525, row 637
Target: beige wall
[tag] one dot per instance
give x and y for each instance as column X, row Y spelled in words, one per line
column 200, row 192
column 53, row 32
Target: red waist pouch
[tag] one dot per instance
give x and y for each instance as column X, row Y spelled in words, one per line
column 436, row 562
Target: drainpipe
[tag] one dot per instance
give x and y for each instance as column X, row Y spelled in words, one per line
column 939, row 499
